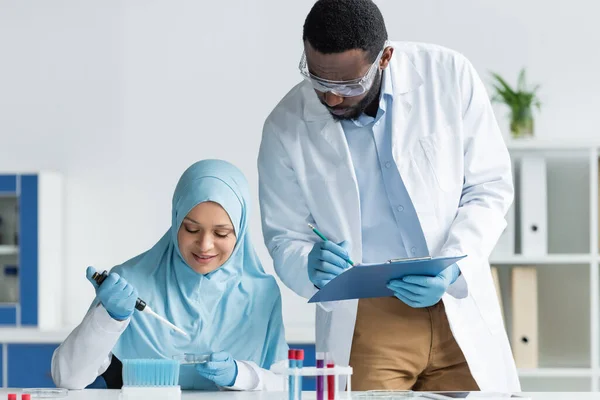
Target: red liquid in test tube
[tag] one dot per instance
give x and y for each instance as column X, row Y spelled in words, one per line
column 330, row 382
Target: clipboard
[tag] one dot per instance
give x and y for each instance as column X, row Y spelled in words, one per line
column 370, row 280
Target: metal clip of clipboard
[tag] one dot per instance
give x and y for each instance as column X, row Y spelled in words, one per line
column 408, row 259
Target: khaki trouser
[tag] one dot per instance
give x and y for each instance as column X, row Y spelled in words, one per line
column 397, row 347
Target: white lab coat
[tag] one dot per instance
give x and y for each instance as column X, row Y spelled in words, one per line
column 452, row 158
column 86, row 354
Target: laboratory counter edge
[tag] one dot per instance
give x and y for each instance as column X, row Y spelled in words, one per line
column 99, row 394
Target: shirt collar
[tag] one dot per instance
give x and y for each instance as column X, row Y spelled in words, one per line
column 387, row 94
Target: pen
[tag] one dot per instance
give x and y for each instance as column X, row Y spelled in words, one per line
column 319, row 234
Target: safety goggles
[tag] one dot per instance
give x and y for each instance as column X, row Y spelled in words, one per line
column 351, row 88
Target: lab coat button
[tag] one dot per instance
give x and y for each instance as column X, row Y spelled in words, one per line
column 400, row 208
column 413, row 250
column 388, row 164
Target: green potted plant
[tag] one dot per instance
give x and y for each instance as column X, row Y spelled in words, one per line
column 520, row 101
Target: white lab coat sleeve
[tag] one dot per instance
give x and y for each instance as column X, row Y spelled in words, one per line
column 251, row 377
column 86, row 352
column 488, row 189
column 284, row 212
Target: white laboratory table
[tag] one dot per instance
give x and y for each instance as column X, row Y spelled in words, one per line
column 95, row 394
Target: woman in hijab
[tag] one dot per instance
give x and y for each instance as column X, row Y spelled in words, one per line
column 203, row 276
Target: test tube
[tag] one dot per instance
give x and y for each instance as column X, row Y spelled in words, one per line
column 293, row 375
column 330, row 379
column 299, row 364
column 320, row 378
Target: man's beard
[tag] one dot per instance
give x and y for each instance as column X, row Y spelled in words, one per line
column 356, row 110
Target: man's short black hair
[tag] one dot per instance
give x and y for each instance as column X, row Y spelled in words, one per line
column 335, row 26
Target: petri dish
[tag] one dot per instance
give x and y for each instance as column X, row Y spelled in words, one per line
column 191, row 358
column 390, row 394
column 46, row 393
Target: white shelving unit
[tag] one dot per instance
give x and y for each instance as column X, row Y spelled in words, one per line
column 555, row 372
column 8, row 250
column 549, row 259
column 568, row 276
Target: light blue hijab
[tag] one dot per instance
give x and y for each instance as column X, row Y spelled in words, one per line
column 236, row 308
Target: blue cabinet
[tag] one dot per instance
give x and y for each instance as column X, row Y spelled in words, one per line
column 29, row 202
column 9, row 197
column 29, row 365
column 28, row 249
column 8, row 314
column 8, row 184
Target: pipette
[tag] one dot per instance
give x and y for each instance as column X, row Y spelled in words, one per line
column 139, row 304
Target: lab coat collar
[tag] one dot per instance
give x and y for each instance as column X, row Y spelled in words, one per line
column 405, row 77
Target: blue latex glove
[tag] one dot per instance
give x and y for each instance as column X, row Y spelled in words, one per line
column 420, row 291
column 221, row 369
column 326, row 260
column 116, row 295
